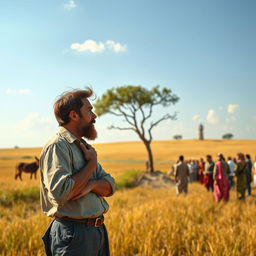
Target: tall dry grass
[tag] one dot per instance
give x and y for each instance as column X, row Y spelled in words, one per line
column 141, row 221
column 148, row 222
column 157, row 222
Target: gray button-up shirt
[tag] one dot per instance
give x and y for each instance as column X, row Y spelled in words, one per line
column 59, row 159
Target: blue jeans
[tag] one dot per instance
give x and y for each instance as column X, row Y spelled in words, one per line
column 75, row 239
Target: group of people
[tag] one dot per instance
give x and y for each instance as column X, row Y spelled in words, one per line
column 218, row 177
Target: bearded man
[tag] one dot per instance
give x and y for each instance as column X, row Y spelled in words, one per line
column 73, row 184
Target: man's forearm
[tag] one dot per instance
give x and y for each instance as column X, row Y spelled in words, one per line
column 81, row 179
column 102, row 188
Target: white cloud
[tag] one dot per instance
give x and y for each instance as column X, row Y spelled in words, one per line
column 232, row 108
column 212, row 117
column 195, row 118
column 116, row 47
column 88, row 45
column 94, row 47
column 70, row 5
column 17, row 91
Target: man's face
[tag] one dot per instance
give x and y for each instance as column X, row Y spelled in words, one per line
column 86, row 122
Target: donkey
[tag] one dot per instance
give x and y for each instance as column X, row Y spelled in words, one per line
column 28, row 168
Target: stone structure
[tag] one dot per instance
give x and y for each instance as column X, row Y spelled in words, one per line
column 201, row 132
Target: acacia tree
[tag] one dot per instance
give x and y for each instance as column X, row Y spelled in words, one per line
column 177, row 137
column 227, row 136
column 135, row 104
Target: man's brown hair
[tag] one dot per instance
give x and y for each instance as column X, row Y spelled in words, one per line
column 68, row 101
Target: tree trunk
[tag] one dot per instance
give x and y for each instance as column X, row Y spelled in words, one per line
column 150, row 162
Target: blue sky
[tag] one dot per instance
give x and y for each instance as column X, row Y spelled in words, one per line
column 205, row 51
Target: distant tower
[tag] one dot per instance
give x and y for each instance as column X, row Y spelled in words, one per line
column 201, row 132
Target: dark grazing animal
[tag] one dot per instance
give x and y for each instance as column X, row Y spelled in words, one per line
column 28, row 168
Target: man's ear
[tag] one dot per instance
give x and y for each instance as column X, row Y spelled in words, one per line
column 73, row 115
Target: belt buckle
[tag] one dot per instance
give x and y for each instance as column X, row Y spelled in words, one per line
column 98, row 222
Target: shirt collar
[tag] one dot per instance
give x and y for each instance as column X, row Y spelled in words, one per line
column 67, row 135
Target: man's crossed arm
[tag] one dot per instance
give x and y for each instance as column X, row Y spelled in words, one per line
column 83, row 185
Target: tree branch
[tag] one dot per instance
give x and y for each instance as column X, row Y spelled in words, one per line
column 127, row 116
column 133, row 123
column 165, row 99
column 121, row 128
column 124, row 113
column 165, row 117
column 150, row 112
column 142, row 121
column 131, row 108
column 115, row 114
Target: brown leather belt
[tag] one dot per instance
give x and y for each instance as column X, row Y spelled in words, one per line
column 95, row 222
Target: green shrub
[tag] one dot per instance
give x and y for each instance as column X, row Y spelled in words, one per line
column 11, row 197
column 127, row 179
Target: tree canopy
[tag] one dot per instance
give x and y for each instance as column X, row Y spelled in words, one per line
column 128, row 101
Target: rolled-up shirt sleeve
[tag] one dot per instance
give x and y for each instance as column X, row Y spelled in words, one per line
column 57, row 171
column 101, row 174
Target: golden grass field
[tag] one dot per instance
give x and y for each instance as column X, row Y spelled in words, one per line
column 141, row 221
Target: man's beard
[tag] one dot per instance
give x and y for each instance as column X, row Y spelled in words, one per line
column 88, row 131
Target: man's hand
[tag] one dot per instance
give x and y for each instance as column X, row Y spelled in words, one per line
column 82, row 184
column 89, row 152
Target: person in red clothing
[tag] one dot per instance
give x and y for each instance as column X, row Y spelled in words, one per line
column 201, row 166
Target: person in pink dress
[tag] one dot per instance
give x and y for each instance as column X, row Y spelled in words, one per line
column 221, row 185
